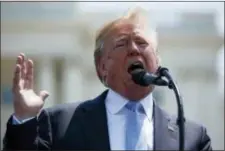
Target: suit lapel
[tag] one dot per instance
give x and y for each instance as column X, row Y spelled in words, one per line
column 165, row 131
column 96, row 124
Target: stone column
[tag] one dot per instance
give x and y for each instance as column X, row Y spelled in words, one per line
column 72, row 81
column 46, row 79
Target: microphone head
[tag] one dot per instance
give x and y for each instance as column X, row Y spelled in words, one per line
column 143, row 78
column 138, row 76
column 161, row 71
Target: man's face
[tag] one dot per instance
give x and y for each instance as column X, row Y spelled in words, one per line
column 126, row 44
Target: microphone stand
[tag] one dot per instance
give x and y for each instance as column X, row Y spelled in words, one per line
column 163, row 72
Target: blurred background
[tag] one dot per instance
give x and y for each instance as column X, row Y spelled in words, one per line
column 59, row 37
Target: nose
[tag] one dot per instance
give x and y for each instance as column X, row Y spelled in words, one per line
column 133, row 49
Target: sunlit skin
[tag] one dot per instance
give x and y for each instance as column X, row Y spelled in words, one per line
column 125, row 44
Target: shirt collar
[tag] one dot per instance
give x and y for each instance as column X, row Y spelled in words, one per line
column 115, row 102
column 147, row 103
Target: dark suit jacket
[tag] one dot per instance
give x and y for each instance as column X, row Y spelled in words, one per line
column 83, row 126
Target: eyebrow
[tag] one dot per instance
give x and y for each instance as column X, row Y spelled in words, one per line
column 121, row 37
column 138, row 37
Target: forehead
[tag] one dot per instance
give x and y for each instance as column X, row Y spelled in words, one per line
column 127, row 29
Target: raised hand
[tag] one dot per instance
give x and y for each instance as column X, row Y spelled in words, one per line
column 26, row 102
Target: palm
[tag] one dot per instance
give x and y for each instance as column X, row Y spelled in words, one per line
column 30, row 99
column 26, row 102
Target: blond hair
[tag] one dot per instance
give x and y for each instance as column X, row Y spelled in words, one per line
column 135, row 16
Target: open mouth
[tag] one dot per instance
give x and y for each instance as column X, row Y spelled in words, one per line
column 135, row 66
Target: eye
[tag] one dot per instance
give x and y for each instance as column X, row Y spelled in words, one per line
column 141, row 43
column 120, row 45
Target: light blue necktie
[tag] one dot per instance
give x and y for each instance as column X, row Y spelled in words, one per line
column 134, row 122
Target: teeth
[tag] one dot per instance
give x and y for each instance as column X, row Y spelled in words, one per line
column 137, row 62
column 135, row 65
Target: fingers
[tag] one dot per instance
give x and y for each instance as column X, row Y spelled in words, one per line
column 29, row 75
column 23, row 77
column 16, row 79
column 21, row 62
column 44, row 95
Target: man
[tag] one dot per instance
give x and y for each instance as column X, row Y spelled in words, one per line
column 124, row 117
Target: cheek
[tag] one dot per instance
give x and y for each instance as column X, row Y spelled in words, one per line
column 151, row 61
column 117, row 60
column 115, row 65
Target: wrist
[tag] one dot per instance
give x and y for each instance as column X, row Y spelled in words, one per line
column 23, row 118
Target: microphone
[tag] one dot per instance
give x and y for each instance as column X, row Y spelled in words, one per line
column 162, row 71
column 143, row 78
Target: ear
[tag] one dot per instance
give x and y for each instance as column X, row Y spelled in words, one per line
column 101, row 68
column 158, row 59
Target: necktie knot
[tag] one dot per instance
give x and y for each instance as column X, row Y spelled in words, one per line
column 134, row 107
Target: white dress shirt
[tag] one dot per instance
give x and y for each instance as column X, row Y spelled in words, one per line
column 116, row 119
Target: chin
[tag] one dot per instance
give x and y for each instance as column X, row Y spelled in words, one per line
column 131, row 85
column 136, row 92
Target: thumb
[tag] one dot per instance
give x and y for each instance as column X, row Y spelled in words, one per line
column 44, row 95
